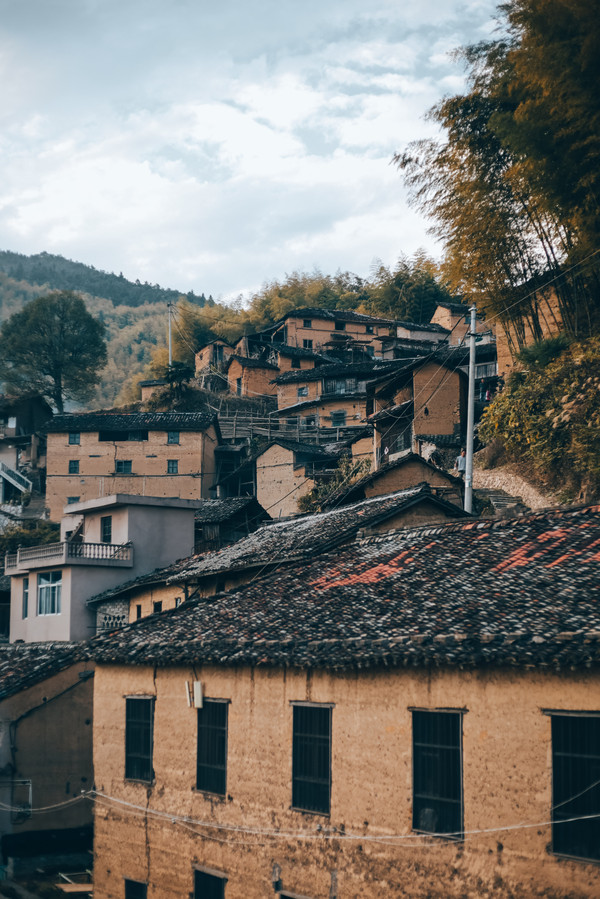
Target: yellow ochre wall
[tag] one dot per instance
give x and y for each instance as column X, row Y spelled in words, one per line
column 506, row 772
column 279, row 485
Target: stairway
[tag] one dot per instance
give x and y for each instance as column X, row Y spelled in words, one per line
column 499, row 499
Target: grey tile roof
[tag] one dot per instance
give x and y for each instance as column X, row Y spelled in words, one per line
column 114, row 421
column 24, row 664
column 215, row 511
column 521, row 593
column 251, row 362
column 425, row 326
column 303, row 537
column 157, row 576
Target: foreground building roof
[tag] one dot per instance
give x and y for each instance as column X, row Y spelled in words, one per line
column 115, row 421
column 520, row 593
column 24, row 664
column 303, row 537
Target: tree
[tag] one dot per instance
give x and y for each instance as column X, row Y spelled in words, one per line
column 53, row 347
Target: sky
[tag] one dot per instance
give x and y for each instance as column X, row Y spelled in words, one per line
column 215, row 147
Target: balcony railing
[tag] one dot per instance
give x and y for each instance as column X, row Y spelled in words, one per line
column 105, row 554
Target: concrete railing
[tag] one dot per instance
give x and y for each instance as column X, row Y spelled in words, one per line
column 65, row 553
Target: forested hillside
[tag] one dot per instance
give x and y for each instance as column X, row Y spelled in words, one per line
column 137, row 331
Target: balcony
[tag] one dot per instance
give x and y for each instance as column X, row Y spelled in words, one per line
column 56, row 555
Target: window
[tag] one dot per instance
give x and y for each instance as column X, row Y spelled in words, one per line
column 122, row 466
column 172, row 436
column 307, row 344
column 74, row 438
column 71, row 500
column 576, row 785
column 311, row 758
column 120, row 436
column 106, row 529
column 338, row 419
column 238, row 386
column 172, row 466
column 369, row 329
column 49, row 584
column 135, row 890
column 302, row 391
column 209, row 886
column 340, row 326
column 157, row 606
column 73, row 466
column 25, row 598
column 211, row 767
column 437, row 772
column 307, row 323
column 295, row 362
column 138, row 611
column 139, row 726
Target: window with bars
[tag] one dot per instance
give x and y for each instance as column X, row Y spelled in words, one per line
column 307, row 344
column 135, row 889
column 211, row 763
column 311, row 758
column 209, row 886
column 73, row 466
column 49, row 585
column 338, row 419
column 172, row 466
column 123, row 466
column 139, row 734
column 74, row 438
column 172, row 436
column 576, row 785
column 437, row 773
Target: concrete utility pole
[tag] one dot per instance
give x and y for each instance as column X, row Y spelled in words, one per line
column 169, row 305
column 470, row 414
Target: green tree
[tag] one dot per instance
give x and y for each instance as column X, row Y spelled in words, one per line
column 53, row 347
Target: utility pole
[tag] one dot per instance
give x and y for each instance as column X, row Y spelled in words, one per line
column 169, row 306
column 470, row 414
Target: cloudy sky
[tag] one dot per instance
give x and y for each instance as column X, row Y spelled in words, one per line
column 215, row 146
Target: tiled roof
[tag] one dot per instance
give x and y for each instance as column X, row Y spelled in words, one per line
column 24, row 664
column 342, row 370
column 303, row 537
column 113, row 421
column 305, row 449
column 521, row 593
column 215, row 511
column 459, row 308
column 426, row 326
column 343, row 315
column 158, row 576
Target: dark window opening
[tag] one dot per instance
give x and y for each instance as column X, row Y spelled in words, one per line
column 307, row 323
column 172, row 436
column 437, row 773
column 139, row 727
column 208, row 886
column 135, row 890
column 120, row 436
column 340, row 326
column 73, row 466
column 302, row 391
column 172, row 466
column 25, row 604
column 157, row 606
column 238, row 386
column 576, row 786
column 369, row 329
column 307, row 344
column 74, row 438
column 311, row 758
column 138, row 611
column 123, row 466
column 71, row 500
column 338, row 419
column 106, row 529
column 295, row 362
column 211, row 769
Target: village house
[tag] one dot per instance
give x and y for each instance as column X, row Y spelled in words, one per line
column 46, row 701
column 251, row 377
column 95, row 454
column 103, row 542
column 287, row 470
column 417, row 714
column 213, row 355
column 330, row 330
column 423, row 403
column 406, row 471
column 431, row 332
column 456, row 319
column 331, row 396
column 279, row 543
column 539, row 318
column 22, row 451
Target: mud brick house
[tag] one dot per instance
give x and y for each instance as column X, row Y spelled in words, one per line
column 279, row 543
column 406, row 471
column 331, row 396
column 95, row 454
column 103, row 543
column 286, row 470
column 213, row 356
column 250, row 377
column 422, row 402
column 22, row 451
column 456, row 319
column 330, row 330
column 417, row 713
column 46, row 701
column 421, row 332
